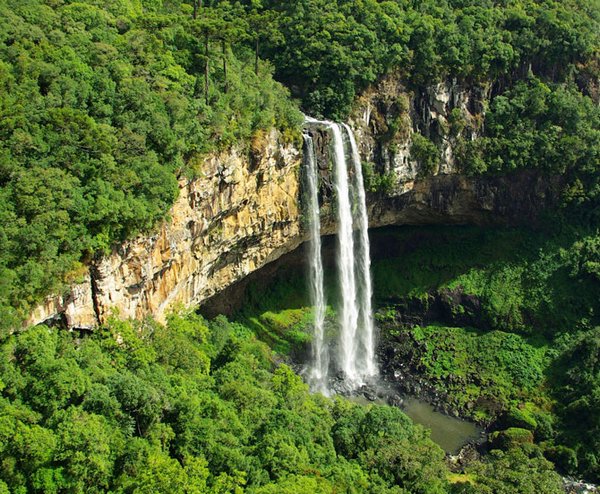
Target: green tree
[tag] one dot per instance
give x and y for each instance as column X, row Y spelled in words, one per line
column 425, row 153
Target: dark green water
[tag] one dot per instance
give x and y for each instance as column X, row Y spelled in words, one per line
column 449, row 432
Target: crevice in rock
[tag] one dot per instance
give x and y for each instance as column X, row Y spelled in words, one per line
column 94, row 274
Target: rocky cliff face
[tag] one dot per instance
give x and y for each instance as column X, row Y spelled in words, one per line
column 387, row 116
column 238, row 215
column 244, row 209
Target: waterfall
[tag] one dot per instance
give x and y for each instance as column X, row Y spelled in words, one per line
column 348, row 317
column 366, row 358
column 355, row 354
column 317, row 373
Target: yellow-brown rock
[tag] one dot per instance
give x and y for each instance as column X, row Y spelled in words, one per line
column 239, row 214
column 233, row 219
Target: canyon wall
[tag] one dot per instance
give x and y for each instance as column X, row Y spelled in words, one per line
column 241, row 212
column 244, row 208
column 387, row 116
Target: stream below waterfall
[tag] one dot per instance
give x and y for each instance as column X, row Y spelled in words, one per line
column 450, row 433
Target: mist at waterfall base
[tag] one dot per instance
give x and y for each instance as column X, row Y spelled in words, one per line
column 350, row 358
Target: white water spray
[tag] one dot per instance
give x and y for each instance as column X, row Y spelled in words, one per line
column 356, row 346
column 349, row 306
column 318, row 371
column 366, row 358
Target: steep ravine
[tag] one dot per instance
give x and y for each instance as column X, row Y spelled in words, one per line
column 244, row 209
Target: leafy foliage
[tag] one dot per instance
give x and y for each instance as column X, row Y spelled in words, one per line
column 334, row 49
column 532, row 362
column 578, row 376
column 482, row 372
column 523, row 281
column 518, row 470
column 192, row 407
column 426, row 153
column 553, row 128
column 101, row 110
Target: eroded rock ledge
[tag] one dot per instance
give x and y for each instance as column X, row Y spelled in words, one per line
column 244, row 210
column 239, row 214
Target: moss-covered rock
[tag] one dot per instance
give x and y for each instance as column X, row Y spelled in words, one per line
column 511, row 437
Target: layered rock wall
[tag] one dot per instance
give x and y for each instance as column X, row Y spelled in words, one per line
column 239, row 214
column 387, row 116
column 244, row 208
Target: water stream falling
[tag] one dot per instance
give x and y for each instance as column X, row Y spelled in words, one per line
column 355, row 355
column 318, row 371
column 348, row 316
column 366, row 356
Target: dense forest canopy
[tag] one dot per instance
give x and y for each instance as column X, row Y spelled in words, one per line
column 105, row 104
column 334, row 49
column 203, row 408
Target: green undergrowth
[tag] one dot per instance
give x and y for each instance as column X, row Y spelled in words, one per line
column 483, row 372
column 430, row 257
column 279, row 313
column 192, row 407
column 525, row 281
column 284, row 329
column 280, row 310
column 503, row 321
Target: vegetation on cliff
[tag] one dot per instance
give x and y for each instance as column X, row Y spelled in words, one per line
column 504, row 324
column 535, row 63
column 333, row 49
column 103, row 105
column 552, row 128
column 204, row 407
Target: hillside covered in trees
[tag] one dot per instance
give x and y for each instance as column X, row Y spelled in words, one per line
column 106, row 105
column 203, row 408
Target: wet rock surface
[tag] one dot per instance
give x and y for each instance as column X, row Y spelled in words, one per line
column 574, row 486
column 469, row 453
